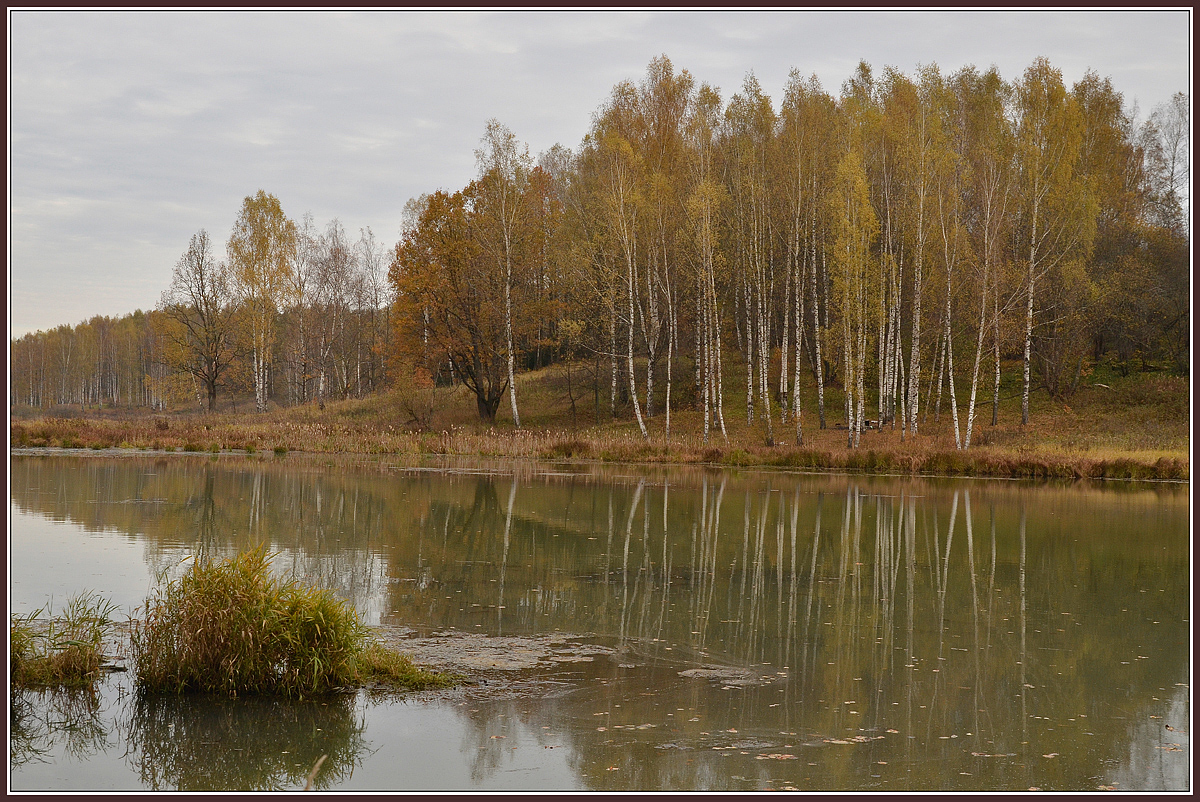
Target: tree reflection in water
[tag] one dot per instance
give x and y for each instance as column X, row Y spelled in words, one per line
column 961, row 629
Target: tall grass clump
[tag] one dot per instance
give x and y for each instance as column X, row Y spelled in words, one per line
column 63, row 651
column 230, row 627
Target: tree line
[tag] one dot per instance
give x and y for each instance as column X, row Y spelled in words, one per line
column 861, row 241
column 295, row 313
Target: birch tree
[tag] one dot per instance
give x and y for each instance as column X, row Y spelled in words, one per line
column 704, row 207
column 504, row 167
column 1056, row 207
column 261, row 249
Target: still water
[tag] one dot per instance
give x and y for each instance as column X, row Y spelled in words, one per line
column 638, row 628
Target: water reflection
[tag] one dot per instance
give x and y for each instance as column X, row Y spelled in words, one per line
column 51, row 721
column 206, row 744
column 766, row 630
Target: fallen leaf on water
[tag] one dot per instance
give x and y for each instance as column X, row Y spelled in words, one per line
column 1034, row 788
column 1106, row 788
column 614, row 768
column 893, row 730
column 601, row 729
column 1052, row 754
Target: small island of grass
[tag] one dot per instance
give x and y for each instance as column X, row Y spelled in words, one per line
column 225, row 627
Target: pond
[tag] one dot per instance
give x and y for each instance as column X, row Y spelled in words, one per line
column 637, row 628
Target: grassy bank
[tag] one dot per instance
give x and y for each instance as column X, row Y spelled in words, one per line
column 1120, row 427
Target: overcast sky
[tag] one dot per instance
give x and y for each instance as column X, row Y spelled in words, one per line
column 131, row 131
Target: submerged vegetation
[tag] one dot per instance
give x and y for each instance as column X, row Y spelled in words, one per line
column 230, row 627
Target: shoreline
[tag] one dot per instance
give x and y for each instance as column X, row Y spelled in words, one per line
column 974, row 465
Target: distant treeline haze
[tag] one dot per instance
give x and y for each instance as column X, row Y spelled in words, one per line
column 901, row 241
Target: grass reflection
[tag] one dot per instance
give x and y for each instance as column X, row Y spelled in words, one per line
column 195, row 743
column 46, row 720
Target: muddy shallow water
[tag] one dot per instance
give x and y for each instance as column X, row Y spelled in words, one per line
column 627, row 628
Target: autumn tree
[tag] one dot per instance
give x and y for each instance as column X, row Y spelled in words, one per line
column 1168, row 161
column 260, row 250
column 983, row 99
column 502, row 219
column 1057, row 208
column 749, row 132
column 450, row 299
column 198, row 316
column 855, row 279
column 705, row 196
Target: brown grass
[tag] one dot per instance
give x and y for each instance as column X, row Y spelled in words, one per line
column 1132, row 427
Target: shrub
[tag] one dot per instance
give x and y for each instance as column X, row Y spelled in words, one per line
column 230, row 627
column 280, row 450
column 65, row 651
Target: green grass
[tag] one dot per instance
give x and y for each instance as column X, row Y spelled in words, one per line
column 63, row 651
column 379, row 666
column 232, row 628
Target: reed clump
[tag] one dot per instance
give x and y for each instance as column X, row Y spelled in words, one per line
column 230, row 627
column 61, row 651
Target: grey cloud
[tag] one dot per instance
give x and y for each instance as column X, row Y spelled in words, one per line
column 130, row 131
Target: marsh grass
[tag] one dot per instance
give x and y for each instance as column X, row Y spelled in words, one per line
column 380, row 667
column 59, row 651
column 230, row 627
